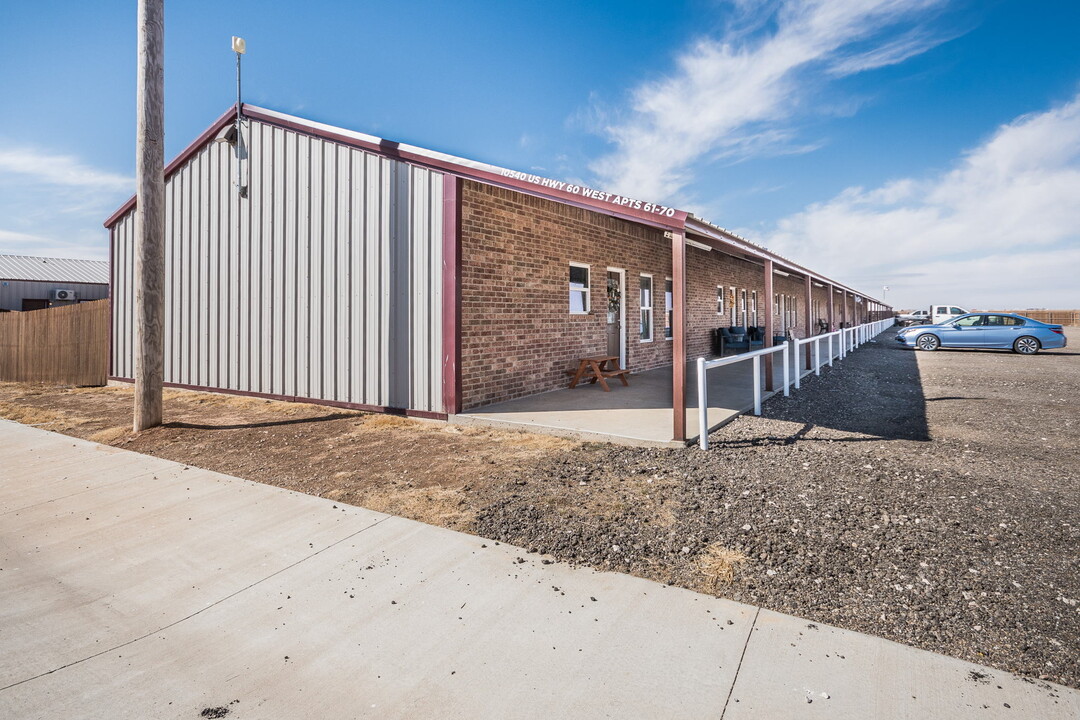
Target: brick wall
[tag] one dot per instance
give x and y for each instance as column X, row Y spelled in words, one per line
column 705, row 271
column 517, row 334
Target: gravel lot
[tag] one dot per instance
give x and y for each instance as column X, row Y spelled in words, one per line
column 929, row 498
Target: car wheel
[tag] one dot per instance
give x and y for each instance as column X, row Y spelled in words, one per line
column 1026, row 345
column 928, row 342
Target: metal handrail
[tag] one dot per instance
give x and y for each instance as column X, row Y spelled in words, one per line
column 848, row 339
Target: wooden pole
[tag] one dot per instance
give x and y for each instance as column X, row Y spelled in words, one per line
column 150, row 217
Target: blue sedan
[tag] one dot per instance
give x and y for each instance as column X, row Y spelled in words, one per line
column 1003, row 331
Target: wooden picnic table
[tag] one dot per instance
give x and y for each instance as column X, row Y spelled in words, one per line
column 599, row 369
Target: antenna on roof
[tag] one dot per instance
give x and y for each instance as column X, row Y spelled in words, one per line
column 239, row 47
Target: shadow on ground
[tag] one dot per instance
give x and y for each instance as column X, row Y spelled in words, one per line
column 875, row 393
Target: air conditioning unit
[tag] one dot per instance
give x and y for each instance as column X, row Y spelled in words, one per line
column 62, row 294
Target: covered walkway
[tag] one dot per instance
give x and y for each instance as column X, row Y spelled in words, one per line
column 636, row 415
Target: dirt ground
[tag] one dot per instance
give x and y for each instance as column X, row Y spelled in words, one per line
column 929, row 498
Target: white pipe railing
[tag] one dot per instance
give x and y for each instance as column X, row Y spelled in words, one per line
column 847, row 339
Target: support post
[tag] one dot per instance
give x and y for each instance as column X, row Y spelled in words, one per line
column 678, row 335
column 703, row 405
column 757, row 383
column 769, row 323
column 808, row 315
column 832, row 313
column 150, row 217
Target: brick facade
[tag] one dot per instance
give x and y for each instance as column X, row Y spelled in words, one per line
column 518, row 336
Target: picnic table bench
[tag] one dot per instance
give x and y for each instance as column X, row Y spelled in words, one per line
column 598, row 369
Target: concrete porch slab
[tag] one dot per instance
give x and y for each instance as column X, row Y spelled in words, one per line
column 640, row 414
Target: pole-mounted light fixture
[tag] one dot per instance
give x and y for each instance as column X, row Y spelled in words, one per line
column 239, row 47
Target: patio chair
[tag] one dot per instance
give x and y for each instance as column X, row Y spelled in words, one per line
column 735, row 339
column 756, row 335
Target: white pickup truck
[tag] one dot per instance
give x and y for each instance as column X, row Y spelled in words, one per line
column 936, row 314
column 914, row 318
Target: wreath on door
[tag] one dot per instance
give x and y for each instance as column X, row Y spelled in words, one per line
column 614, row 296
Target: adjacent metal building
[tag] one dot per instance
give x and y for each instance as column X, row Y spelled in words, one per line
column 32, row 283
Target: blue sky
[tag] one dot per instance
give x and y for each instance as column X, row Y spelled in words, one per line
column 926, row 145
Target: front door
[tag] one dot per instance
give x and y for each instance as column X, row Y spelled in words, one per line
column 616, row 340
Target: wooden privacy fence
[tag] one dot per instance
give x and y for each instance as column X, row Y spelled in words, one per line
column 68, row 345
column 1054, row 317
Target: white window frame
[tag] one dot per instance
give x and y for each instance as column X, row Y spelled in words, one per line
column 753, row 307
column 649, row 309
column 669, row 300
column 587, row 291
column 721, row 304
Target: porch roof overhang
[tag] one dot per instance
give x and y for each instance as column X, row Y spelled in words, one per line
column 728, row 242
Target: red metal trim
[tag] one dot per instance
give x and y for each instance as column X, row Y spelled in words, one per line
column 227, row 118
column 757, row 252
column 770, row 325
column 832, row 311
column 451, row 295
column 808, row 316
column 678, row 340
column 310, row 401
column 391, row 149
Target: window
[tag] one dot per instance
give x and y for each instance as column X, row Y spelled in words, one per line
column 742, row 306
column 969, row 321
column 669, row 311
column 579, row 289
column 753, row 307
column 719, row 299
column 646, row 308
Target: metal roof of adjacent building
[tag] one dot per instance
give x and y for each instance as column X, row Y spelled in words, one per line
column 69, row 270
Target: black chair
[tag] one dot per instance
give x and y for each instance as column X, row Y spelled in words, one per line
column 756, row 335
column 735, row 339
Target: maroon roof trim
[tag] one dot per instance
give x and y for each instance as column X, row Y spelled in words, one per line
column 388, row 148
column 226, row 119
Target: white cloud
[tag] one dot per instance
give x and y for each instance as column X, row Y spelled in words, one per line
column 40, row 167
column 52, row 204
column 1001, row 228
column 733, row 95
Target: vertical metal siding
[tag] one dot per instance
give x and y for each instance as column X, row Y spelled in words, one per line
column 324, row 283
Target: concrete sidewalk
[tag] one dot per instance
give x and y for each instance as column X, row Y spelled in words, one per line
column 134, row 587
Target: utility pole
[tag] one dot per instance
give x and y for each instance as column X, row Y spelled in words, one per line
column 150, row 217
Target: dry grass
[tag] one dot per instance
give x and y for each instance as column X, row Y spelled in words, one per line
column 444, row 507
column 718, row 565
column 110, row 436
column 39, row 417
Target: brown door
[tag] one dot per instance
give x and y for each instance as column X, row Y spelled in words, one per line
column 614, row 314
column 28, row 304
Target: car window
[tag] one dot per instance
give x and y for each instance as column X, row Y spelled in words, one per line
column 1006, row 320
column 956, row 311
column 995, row 320
column 969, row 321
column 940, row 311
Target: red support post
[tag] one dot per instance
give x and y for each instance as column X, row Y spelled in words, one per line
column 678, row 340
column 769, row 323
